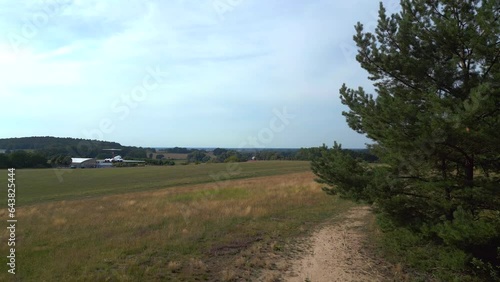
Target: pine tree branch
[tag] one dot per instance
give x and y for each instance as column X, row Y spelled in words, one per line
column 439, row 13
column 413, row 177
column 412, row 194
column 439, row 85
column 457, row 149
column 488, row 114
column 497, row 55
column 389, row 73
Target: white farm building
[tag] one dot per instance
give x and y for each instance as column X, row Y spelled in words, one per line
column 82, row 163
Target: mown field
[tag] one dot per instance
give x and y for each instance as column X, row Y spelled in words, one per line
column 42, row 185
column 163, row 223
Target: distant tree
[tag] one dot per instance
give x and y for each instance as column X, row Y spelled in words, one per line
column 136, row 153
column 105, row 156
column 19, row 159
column 219, row 151
column 179, row 150
column 4, row 161
column 233, row 156
column 308, row 153
column 37, row 160
column 232, row 159
column 160, row 156
column 168, row 162
column 66, row 160
column 23, row 159
column 197, row 156
column 60, row 160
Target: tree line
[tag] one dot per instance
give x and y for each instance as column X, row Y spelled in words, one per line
column 29, row 151
column 221, row 155
column 23, row 159
column 38, row 152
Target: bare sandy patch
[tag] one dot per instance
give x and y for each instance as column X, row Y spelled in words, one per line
column 337, row 253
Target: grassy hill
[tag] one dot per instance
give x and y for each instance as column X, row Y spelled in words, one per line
column 163, row 223
column 42, row 185
column 75, row 147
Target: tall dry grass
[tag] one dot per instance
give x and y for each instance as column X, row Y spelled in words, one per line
column 206, row 231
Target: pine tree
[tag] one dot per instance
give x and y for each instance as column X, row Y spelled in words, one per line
column 435, row 119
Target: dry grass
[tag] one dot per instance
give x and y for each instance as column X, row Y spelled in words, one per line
column 51, row 185
column 173, row 156
column 228, row 275
column 174, row 266
column 194, row 231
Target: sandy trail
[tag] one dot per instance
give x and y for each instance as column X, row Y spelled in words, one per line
column 337, row 254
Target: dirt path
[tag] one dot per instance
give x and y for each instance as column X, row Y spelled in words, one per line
column 338, row 254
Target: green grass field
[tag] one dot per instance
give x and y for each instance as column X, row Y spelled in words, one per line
column 42, row 185
column 163, row 223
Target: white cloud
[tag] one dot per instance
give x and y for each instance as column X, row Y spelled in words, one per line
column 225, row 72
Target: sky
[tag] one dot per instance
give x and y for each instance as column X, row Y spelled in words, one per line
column 191, row 73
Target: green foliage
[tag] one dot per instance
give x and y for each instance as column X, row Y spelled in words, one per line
column 402, row 245
column 232, row 159
column 273, row 155
column 45, row 143
column 121, row 164
column 341, row 173
column 302, row 154
column 228, row 156
column 60, row 160
column 434, row 123
column 4, row 161
column 159, row 162
column 467, row 230
column 198, row 156
column 23, row 159
column 50, row 147
column 134, row 153
column 486, row 269
column 179, row 150
column 308, row 154
column 219, row 151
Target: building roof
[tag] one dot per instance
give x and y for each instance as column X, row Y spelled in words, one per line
column 79, row 160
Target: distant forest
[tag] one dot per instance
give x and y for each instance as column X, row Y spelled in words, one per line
column 46, row 151
column 40, row 152
column 303, row 154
